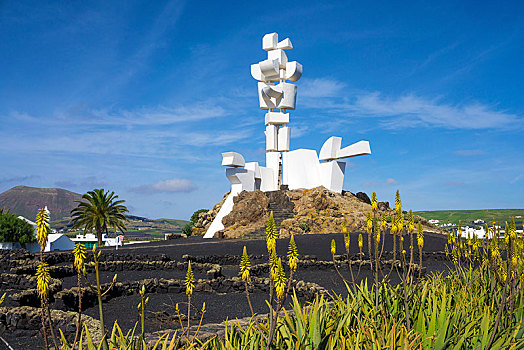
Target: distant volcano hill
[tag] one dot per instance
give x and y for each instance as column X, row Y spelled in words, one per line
column 25, row 201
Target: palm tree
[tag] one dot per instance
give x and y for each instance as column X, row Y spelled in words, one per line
column 99, row 210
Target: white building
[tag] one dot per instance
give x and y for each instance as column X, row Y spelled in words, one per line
column 469, row 232
column 90, row 239
column 55, row 241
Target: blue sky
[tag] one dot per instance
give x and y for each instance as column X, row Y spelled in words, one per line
column 141, row 97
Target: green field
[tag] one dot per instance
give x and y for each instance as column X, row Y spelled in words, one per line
column 466, row 216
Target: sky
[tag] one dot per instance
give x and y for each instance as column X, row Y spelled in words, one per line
column 142, row 97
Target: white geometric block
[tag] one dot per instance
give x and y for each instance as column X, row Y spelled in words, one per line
column 271, row 138
column 288, row 98
column 241, row 178
column 301, row 169
column 332, row 175
column 272, row 90
column 265, row 101
column 285, row 44
column 270, row 70
column 277, row 118
column 226, row 208
column 233, row 159
column 357, row 149
column 293, row 71
column 273, row 163
column 256, row 73
column 330, row 148
column 270, row 41
column 255, row 168
column 268, row 180
column 284, row 134
column 279, row 55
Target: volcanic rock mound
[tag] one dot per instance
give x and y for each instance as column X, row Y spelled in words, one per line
column 316, row 210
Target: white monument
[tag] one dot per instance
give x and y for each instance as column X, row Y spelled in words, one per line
column 301, row 168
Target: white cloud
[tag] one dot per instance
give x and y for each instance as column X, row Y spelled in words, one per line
column 405, row 111
column 320, row 87
column 414, row 111
column 167, row 186
column 469, row 152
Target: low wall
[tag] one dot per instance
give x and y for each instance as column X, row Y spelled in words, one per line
column 68, row 299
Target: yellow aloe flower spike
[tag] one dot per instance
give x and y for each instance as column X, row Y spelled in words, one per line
column 42, row 227
column 394, row 227
column 79, row 253
column 383, row 222
column 369, row 223
column 292, row 254
column 347, row 238
column 189, row 282
column 411, row 221
column 512, row 229
column 333, row 247
column 398, row 203
column 245, row 265
column 42, row 280
column 360, row 241
column 400, row 222
column 273, row 263
column 377, row 232
column 420, row 236
column 374, row 204
column 271, row 233
column 280, row 280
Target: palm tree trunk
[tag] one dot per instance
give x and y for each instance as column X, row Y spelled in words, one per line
column 99, row 232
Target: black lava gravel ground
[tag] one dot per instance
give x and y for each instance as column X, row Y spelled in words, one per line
column 161, row 314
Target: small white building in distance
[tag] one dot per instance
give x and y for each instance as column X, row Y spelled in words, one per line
column 90, row 239
column 434, row 221
column 59, row 241
column 55, row 241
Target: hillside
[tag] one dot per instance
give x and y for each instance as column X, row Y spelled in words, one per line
column 466, row 216
column 25, row 201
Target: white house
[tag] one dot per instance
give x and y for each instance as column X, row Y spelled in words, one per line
column 55, row 241
column 90, row 239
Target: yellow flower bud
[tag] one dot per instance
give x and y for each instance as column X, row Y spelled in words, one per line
column 374, row 205
column 245, row 265
column 189, row 282
column 42, row 280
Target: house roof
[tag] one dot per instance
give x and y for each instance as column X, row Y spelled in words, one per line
column 27, row 220
column 55, row 236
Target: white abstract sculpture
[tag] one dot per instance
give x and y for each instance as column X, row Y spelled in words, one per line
column 300, row 168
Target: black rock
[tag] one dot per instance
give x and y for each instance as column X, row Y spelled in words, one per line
column 363, row 197
column 383, row 206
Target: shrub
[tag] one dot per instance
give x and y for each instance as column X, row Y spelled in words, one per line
column 13, row 229
column 194, row 217
column 304, row 226
column 187, row 229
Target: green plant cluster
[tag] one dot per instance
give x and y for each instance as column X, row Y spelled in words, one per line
column 13, row 229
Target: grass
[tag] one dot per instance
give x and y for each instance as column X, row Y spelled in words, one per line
column 466, row 216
